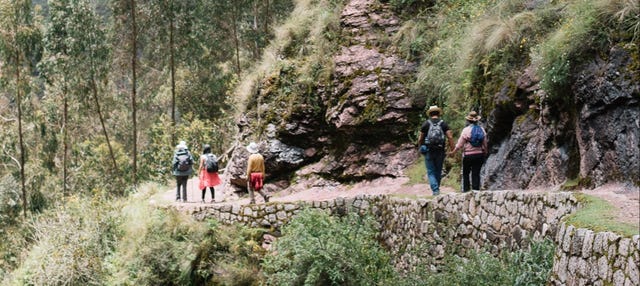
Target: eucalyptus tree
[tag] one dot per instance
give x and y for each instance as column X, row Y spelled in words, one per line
column 125, row 41
column 19, row 44
column 75, row 59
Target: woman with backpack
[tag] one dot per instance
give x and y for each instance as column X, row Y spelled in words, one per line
column 473, row 142
column 208, row 172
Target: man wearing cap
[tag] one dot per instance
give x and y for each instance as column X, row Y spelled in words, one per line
column 255, row 173
column 434, row 152
column 473, row 153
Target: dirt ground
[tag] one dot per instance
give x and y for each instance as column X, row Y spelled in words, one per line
column 624, row 197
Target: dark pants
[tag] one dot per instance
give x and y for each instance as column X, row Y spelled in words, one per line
column 181, row 181
column 213, row 194
column 434, row 161
column 471, row 164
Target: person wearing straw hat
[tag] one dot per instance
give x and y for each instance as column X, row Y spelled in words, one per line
column 255, row 173
column 473, row 142
column 432, row 144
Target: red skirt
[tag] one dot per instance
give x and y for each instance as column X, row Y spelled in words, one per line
column 208, row 179
column 256, row 181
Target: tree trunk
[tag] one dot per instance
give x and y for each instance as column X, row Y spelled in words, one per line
column 64, row 139
column 94, row 87
column 173, row 73
column 235, row 36
column 256, row 44
column 133, row 93
column 19, row 102
column 266, row 18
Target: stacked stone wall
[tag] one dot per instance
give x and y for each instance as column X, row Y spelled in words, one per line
column 585, row 257
column 456, row 223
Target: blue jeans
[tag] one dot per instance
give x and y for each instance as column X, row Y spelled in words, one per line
column 434, row 161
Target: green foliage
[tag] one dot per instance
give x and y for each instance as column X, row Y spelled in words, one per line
column 599, row 215
column 318, row 249
column 69, row 245
column 298, row 59
column 523, row 267
column 156, row 246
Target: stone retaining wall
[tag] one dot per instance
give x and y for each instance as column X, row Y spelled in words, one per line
column 459, row 222
column 584, row 257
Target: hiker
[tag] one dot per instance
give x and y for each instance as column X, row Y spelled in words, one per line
column 255, row 173
column 208, row 172
column 473, row 142
column 432, row 144
column 182, row 169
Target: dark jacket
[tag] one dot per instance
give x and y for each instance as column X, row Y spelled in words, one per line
column 174, row 164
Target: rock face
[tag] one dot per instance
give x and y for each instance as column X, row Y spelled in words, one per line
column 366, row 112
column 592, row 137
column 608, row 125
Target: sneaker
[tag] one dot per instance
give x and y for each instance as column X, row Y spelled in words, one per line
column 266, row 198
column 202, row 201
column 184, row 201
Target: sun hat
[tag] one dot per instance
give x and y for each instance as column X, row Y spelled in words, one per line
column 473, row 116
column 182, row 145
column 252, row 148
column 434, row 108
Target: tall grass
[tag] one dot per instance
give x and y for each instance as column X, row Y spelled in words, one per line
column 599, row 215
column 471, row 50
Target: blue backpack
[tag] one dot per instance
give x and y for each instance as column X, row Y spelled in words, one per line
column 477, row 136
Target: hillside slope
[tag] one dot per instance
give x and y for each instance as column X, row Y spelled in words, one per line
column 341, row 95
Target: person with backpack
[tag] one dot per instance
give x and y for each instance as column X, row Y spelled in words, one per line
column 182, row 168
column 208, row 172
column 473, row 142
column 255, row 173
column 434, row 135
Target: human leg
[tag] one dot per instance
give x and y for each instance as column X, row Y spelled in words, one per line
column 438, row 161
column 183, row 184
column 431, row 173
column 203, row 192
column 213, row 194
column 177, row 188
column 251, row 195
column 466, row 169
column 476, row 166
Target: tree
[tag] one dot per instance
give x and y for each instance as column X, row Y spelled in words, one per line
column 74, row 38
column 18, row 45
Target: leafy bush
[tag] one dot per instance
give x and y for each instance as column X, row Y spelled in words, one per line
column 523, row 267
column 318, row 249
column 69, row 245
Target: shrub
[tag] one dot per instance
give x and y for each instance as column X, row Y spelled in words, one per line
column 69, row 245
column 523, row 267
column 318, row 249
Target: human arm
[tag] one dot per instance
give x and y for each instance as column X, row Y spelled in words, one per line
column 421, row 139
column 450, row 139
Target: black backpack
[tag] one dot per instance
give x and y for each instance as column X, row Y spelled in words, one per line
column 211, row 163
column 435, row 136
column 184, row 162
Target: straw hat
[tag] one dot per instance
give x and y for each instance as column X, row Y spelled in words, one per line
column 473, row 116
column 252, row 148
column 434, row 108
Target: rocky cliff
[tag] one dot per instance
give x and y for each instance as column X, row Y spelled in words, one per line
column 592, row 138
column 359, row 127
column 361, row 122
